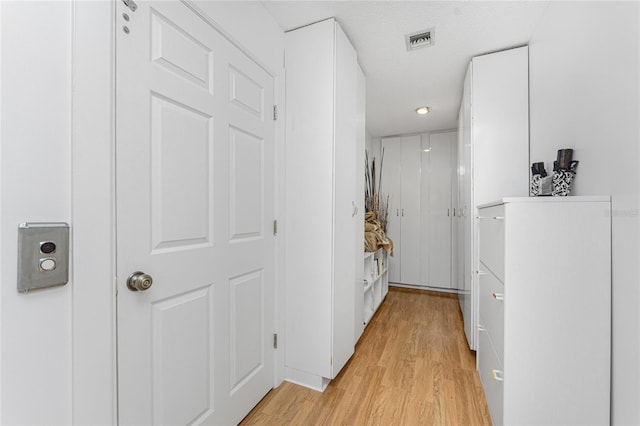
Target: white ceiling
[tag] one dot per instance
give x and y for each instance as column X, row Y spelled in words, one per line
column 399, row 81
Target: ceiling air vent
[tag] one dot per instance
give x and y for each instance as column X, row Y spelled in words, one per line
column 420, row 39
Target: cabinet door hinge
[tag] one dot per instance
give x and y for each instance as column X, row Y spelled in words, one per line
column 275, row 341
column 275, row 227
column 275, row 112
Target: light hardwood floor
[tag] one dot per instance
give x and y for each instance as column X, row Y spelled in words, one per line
column 412, row 366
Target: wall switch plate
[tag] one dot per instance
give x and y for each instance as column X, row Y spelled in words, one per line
column 43, row 255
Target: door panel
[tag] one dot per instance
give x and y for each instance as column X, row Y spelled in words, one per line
column 410, row 210
column 344, row 190
column 195, row 176
column 439, row 213
column 181, row 358
column 246, row 184
column 246, row 328
column 180, row 198
column 390, row 186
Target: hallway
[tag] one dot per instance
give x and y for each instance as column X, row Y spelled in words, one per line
column 412, row 366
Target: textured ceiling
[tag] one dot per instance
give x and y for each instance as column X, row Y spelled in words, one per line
column 399, row 81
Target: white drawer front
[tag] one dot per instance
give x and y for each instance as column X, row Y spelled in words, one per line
column 491, row 374
column 491, row 239
column 491, row 295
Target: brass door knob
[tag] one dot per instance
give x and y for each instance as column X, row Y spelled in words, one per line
column 139, row 281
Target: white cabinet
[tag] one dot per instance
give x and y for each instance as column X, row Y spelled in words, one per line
column 391, row 187
column 418, row 175
column 320, row 201
column 401, row 181
column 545, row 309
column 438, row 174
column 493, row 154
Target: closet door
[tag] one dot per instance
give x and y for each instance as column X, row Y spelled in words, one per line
column 467, row 213
column 439, row 213
column 424, row 207
column 459, row 204
column 344, row 190
column 410, row 210
column 359, row 203
column 500, row 105
column 391, row 171
column 454, row 209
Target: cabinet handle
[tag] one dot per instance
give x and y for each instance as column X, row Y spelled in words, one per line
column 498, row 218
column 480, row 327
column 454, row 212
column 497, row 375
column 397, row 212
column 498, row 296
column 449, row 211
column 479, row 272
column 403, row 212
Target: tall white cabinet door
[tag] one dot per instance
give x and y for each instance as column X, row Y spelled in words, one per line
column 344, row 189
column 359, row 203
column 500, row 95
column 439, row 210
column 309, row 152
column 424, row 207
column 321, row 135
column 466, row 213
column 391, row 171
column 453, row 190
column 459, row 202
column 410, row 210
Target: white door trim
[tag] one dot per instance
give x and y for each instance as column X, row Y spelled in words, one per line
column 94, row 398
column 93, row 214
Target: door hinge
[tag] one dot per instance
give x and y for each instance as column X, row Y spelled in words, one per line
column 275, row 341
column 275, row 227
column 275, row 112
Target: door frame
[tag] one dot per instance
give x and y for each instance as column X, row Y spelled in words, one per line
column 93, row 206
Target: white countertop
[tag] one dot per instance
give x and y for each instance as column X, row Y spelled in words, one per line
column 568, row 199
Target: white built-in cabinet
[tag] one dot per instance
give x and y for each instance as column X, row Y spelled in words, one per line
column 545, row 310
column 321, row 202
column 401, row 182
column 493, row 156
column 419, row 175
column 438, row 209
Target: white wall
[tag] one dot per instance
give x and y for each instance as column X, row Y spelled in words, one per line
column 35, row 155
column 252, row 28
column 368, row 142
column 44, row 144
column 584, row 94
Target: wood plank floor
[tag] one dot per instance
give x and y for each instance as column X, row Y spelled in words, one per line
column 412, row 366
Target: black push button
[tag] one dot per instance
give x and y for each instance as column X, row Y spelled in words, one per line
column 48, row 247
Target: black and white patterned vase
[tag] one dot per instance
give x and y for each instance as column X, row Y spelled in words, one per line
column 536, row 186
column 562, row 180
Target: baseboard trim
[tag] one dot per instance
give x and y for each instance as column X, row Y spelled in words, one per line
column 427, row 288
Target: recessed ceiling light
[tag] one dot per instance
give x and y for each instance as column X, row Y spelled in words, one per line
column 423, row 110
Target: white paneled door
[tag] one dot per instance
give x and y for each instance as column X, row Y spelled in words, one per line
column 195, row 191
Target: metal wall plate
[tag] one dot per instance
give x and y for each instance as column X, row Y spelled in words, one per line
column 43, row 255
